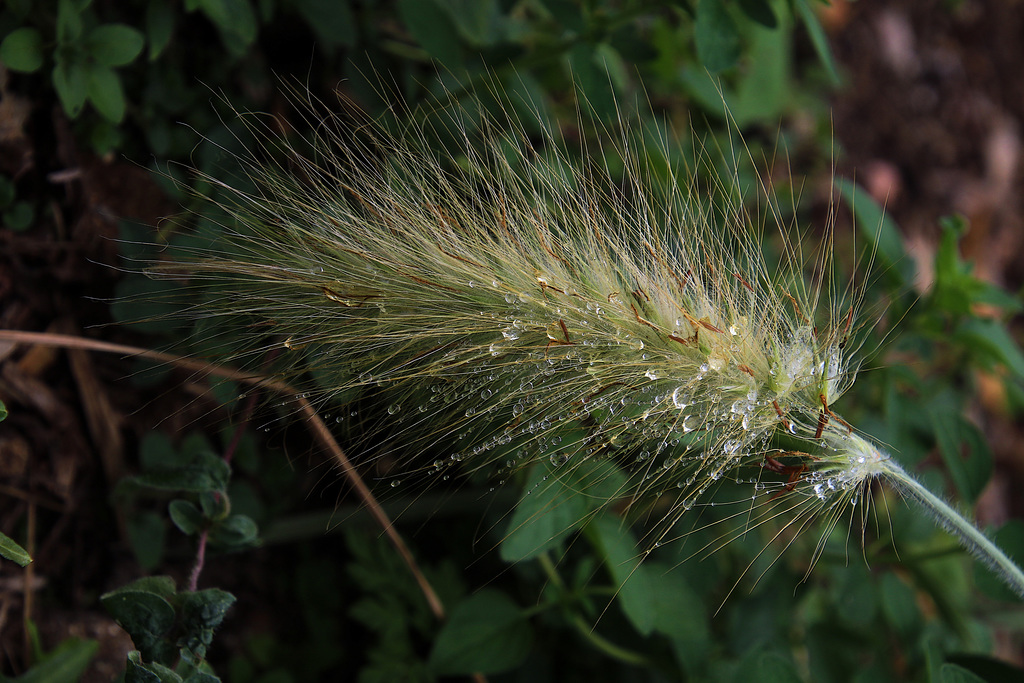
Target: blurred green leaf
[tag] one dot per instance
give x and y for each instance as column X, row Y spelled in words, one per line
column 635, row 591
column 331, row 20
column 69, row 20
column 147, row 535
column 1010, row 539
column 70, row 80
column 963, row 448
column 548, row 511
column 486, row 633
column 234, row 532
column 203, row 472
column 160, row 21
column 433, row 29
column 105, row 92
column 186, row 516
column 19, row 217
column 65, row 664
column 114, row 44
column 951, row 673
column 818, row 38
column 766, row 667
column 760, row 11
column 881, row 233
column 478, row 21
column 22, row 50
column 718, row 40
column 12, row 551
column 993, row 342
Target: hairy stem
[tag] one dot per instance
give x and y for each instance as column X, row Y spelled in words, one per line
column 970, row 537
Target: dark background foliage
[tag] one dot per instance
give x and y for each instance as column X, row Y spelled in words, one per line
column 109, row 465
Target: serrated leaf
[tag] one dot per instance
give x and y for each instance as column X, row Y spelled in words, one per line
column 187, row 517
column 138, row 671
column 485, row 634
column 114, row 44
column 201, row 613
column 718, row 41
column 146, row 616
column 12, row 551
column 22, row 50
column 105, row 92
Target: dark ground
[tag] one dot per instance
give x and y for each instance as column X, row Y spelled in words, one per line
column 930, row 121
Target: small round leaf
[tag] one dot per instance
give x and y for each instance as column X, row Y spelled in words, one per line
column 22, row 50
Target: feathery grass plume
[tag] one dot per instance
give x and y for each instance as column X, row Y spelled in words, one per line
column 627, row 341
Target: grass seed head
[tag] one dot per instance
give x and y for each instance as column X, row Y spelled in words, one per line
column 517, row 307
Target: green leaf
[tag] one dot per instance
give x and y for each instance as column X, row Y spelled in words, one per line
column 548, row 511
column 818, row 39
column 65, row 664
column 899, row 604
column 69, row 20
column 880, row 231
column 146, row 616
column 487, row 634
column 105, row 92
column 201, row 613
column 634, row 589
column 331, row 20
column 70, row 80
column 433, row 29
column 236, row 21
column 114, row 44
column 19, row 217
column 235, row 531
column 22, row 50
column 12, row 551
column 204, row 472
column 718, row 41
column 964, row 450
column 991, row 339
column 160, row 20
column 766, row 667
column 951, row 673
column 147, row 535
column 760, row 11
column 186, row 516
column 137, row 671
column 3, row 412
column 680, row 615
column 478, row 21
column 1010, row 539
